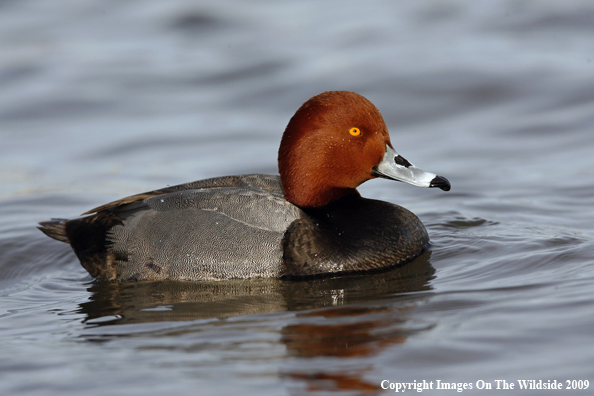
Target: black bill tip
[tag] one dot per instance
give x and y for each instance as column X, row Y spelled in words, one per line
column 440, row 182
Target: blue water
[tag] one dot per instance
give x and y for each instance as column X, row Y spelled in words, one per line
column 103, row 99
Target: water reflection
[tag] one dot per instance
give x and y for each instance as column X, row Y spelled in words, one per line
column 351, row 331
column 345, row 319
column 326, row 382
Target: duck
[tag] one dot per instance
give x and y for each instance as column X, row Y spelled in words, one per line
column 308, row 221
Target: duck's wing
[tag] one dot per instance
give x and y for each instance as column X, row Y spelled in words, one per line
column 263, row 182
column 213, row 232
column 199, row 234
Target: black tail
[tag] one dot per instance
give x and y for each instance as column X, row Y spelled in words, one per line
column 88, row 238
column 55, row 228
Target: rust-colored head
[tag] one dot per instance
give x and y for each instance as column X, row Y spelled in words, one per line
column 330, row 147
column 336, row 141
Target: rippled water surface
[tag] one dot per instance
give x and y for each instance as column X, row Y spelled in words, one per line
column 103, row 99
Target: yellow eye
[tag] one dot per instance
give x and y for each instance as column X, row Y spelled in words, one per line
column 355, row 131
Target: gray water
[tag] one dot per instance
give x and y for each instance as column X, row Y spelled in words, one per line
column 103, row 99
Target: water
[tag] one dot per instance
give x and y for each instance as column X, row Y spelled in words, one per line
column 99, row 100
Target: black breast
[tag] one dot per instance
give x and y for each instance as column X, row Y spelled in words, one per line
column 352, row 234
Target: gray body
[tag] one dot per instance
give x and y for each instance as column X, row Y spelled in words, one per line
column 198, row 234
column 237, row 227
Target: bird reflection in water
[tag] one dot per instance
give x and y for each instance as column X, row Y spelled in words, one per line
column 345, row 319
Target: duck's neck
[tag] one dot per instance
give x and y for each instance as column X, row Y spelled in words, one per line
column 311, row 195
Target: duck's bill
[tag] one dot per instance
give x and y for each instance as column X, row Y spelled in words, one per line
column 394, row 167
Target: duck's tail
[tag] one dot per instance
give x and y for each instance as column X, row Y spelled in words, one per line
column 88, row 238
column 55, row 228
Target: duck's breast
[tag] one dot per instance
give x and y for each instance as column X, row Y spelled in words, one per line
column 352, row 234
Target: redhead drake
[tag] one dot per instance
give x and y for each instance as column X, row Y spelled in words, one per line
column 309, row 221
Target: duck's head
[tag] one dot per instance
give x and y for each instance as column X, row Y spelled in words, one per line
column 336, row 141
